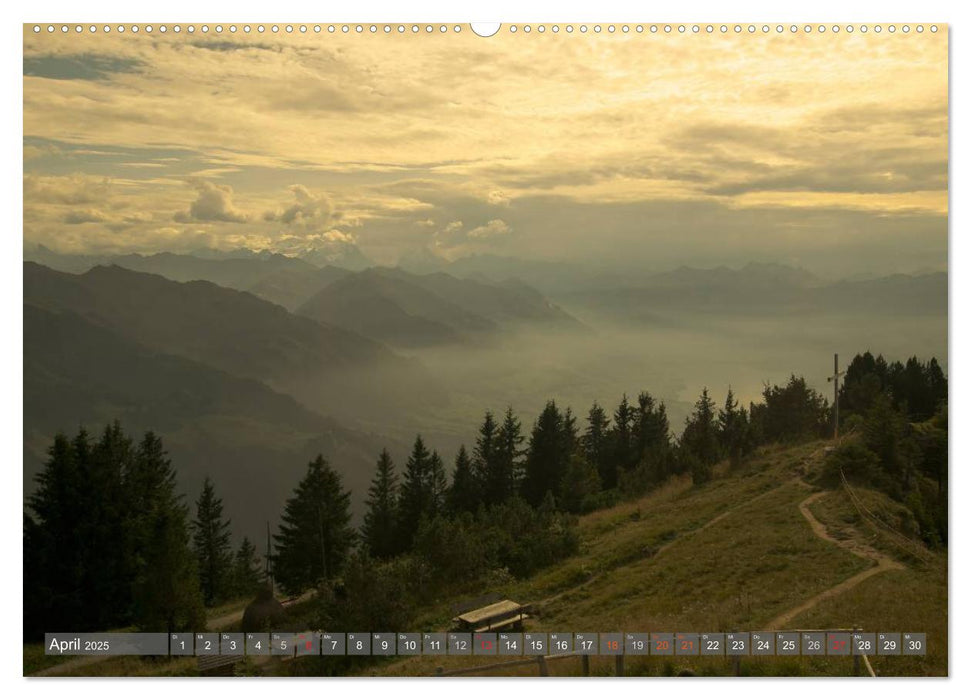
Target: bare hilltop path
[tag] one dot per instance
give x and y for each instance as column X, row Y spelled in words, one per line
column 881, row 563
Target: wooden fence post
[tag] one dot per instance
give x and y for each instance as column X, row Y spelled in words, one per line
column 585, row 664
column 619, row 661
column 543, row 668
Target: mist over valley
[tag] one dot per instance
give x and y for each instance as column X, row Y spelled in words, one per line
column 250, row 364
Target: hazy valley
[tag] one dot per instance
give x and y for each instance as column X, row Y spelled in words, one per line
column 251, row 365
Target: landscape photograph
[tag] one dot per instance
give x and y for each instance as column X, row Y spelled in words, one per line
column 397, row 334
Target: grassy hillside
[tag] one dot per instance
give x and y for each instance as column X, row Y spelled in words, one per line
column 914, row 598
column 734, row 554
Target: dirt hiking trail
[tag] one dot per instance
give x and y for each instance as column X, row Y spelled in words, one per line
column 881, row 563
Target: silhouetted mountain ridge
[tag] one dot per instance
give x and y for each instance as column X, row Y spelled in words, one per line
column 767, row 290
column 327, row 368
column 253, row 441
column 282, row 279
column 410, row 310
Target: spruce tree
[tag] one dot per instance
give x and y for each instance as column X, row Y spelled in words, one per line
column 733, row 430
column 113, row 528
column 579, row 483
column 571, row 433
column 167, row 589
column 884, row 432
column 247, row 570
column 651, row 430
column 379, row 531
column 652, row 438
column 622, row 437
column 596, row 448
column 463, row 496
column 795, row 412
column 485, row 455
column 936, row 386
column 106, row 539
column 315, row 535
column 548, row 455
column 53, row 544
column 167, row 595
column 422, row 491
column 700, row 438
column 504, row 476
column 211, row 543
column 438, row 484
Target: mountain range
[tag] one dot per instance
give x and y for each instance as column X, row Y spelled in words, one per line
column 253, row 441
column 249, row 363
column 408, row 310
column 327, row 369
column 284, row 280
column 762, row 290
column 390, row 305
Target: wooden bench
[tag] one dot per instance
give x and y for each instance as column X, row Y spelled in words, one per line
column 506, row 614
column 218, row 665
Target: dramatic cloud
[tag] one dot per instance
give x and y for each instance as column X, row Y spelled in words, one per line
column 308, row 210
column 456, row 239
column 450, row 235
column 648, row 150
column 213, row 203
column 496, row 227
column 336, row 236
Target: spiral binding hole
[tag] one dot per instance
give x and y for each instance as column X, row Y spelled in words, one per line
column 512, row 29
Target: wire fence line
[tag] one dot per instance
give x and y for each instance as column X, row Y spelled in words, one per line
column 907, row 544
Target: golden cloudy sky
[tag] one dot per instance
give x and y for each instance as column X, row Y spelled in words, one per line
column 824, row 150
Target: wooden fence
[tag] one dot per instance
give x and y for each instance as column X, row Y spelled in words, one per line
column 542, row 662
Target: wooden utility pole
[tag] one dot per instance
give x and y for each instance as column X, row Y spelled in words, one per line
column 836, row 395
column 544, row 670
column 268, row 570
column 323, row 544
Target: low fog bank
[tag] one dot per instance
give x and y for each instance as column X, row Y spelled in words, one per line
column 673, row 358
